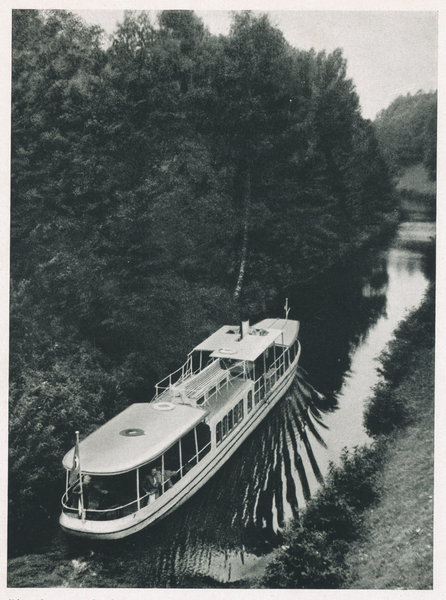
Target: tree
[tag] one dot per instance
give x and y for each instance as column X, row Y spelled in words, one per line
column 406, row 131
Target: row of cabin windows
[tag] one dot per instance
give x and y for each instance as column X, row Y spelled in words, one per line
column 225, row 426
column 231, row 420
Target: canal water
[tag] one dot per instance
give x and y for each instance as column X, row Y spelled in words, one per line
column 225, row 534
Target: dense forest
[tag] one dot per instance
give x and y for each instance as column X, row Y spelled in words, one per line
column 407, row 137
column 407, row 132
column 162, row 185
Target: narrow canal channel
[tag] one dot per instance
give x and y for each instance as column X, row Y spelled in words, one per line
column 226, row 533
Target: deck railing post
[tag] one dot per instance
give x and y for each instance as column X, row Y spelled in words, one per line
column 162, row 473
column 137, row 489
column 196, row 446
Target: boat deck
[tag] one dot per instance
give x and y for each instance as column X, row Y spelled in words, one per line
column 219, row 400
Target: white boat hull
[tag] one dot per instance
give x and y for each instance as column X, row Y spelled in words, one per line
column 190, row 483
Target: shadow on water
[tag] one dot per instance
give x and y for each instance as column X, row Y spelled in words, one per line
column 336, row 313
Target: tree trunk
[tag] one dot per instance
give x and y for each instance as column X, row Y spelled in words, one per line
column 244, row 252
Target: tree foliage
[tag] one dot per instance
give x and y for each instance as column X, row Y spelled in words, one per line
column 407, row 132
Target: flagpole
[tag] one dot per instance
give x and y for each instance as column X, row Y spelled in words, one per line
column 80, row 477
column 287, row 310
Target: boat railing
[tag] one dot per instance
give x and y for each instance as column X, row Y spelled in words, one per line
column 97, row 514
column 173, row 378
column 117, row 510
column 277, row 369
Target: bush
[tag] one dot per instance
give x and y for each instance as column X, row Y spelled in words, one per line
column 385, row 412
column 318, row 543
column 310, row 562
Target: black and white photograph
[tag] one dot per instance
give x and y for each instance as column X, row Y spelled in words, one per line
column 219, row 276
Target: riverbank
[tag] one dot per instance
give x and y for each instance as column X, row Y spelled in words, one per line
column 395, row 550
column 371, row 524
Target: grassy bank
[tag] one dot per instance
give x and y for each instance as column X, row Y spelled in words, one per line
column 370, row 525
column 395, row 547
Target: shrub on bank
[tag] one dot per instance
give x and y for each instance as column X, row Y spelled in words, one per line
column 386, row 410
column 316, row 545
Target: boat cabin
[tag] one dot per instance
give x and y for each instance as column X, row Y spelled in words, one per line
column 120, row 456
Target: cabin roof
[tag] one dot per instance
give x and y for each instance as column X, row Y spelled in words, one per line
column 223, row 336
column 224, row 343
column 289, row 328
column 108, row 451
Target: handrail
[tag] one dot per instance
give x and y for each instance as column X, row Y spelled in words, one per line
column 269, row 379
column 66, row 496
column 185, row 370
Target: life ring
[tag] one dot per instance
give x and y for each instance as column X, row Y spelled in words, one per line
column 163, row 406
column 228, row 351
column 132, row 432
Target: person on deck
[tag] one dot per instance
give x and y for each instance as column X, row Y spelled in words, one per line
column 152, row 483
column 94, row 495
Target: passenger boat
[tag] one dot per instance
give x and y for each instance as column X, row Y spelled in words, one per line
column 153, row 456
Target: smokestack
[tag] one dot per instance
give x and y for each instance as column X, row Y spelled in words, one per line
column 245, row 328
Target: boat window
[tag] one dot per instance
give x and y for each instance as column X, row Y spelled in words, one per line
column 227, row 363
column 196, row 359
column 203, row 439
column 230, row 421
column 238, row 413
column 154, row 479
column 172, row 458
column 259, row 366
column 188, row 451
column 270, row 357
column 102, row 492
column 279, row 351
column 212, row 391
column 102, row 495
column 240, row 409
column 249, row 400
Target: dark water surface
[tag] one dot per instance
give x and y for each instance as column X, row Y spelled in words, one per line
column 225, row 534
